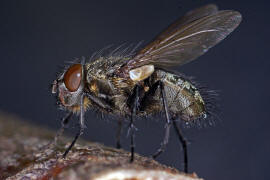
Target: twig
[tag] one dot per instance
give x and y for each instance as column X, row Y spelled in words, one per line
column 23, row 156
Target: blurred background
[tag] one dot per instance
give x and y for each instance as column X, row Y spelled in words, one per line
column 39, row 36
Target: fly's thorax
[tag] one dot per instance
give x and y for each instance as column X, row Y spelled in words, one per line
column 100, row 72
column 93, row 72
column 105, row 66
column 95, row 76
column 103, row 84
column 183, row 97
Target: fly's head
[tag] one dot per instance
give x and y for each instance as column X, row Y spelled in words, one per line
column 69, row 87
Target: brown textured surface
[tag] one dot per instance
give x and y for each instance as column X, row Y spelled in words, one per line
column 23, row 155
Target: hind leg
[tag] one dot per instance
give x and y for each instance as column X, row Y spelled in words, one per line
column 169, row 122
column 183, row 141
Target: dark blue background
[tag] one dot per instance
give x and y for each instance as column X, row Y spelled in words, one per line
column 38, row 36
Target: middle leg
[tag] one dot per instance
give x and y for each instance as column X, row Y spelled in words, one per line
column 131, row 128
column 118, row 133
column 168, row 121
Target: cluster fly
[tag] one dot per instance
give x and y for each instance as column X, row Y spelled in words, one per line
column 141, row 84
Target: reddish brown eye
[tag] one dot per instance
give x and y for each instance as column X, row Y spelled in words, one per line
column 73, row 77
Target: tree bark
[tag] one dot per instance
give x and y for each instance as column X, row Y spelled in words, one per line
column 24, row 154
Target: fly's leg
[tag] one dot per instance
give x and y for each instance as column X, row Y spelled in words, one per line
column 183, row 142
column 64, row 123
column 118, row 133
column 100, row 102
column 82, row 126
column 168, row 121
column 131, row 127
column 59, row 133
column 181, row 138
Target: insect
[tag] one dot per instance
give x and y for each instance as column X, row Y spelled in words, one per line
column 140, row 84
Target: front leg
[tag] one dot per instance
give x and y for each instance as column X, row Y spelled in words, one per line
column 100, row 102
column 59, row 133
column 64, row 123
column 82, row 126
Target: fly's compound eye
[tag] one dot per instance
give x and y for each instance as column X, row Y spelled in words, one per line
column 73, row 77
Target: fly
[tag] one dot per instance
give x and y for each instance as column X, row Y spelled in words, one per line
column 140, row 84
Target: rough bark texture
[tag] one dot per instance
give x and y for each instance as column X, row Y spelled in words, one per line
column 24, row 155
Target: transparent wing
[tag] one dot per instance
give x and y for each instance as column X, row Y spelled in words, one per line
column 188, row 18
column 187, row 39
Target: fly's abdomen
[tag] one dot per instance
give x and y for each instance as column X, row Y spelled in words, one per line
column 183, row 98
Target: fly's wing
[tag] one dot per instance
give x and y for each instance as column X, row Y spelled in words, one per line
column 186, row 19
column 187, row 39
